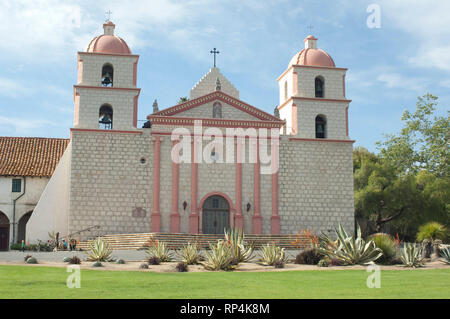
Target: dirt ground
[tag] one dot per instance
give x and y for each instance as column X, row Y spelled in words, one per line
column 244, row 267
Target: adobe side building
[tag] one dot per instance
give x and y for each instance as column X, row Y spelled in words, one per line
column 122, row 178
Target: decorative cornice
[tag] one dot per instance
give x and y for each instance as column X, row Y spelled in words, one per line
column 188, row 121
column 103, row 131
column 309, row 67
column 111, row 54
column 320, row 140
column 221, row 96
column 312, row 99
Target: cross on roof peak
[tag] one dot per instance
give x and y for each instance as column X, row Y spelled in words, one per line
column 109, row 15
column 214, row 51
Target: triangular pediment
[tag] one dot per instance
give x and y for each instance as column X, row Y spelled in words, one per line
column 232, row 109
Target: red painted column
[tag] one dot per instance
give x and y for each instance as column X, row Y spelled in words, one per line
column 257, row 219
column 238, row 218
column 175, row 216
column 156, row 215
column 275, row 219
column 193, row 217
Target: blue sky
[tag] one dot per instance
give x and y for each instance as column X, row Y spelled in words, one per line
column 388, row 67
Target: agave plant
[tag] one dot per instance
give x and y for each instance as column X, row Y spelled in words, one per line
column 99, row 250
column 411, row 256
column 271, row 255
column 445, row 254
column 349, row 250
column 239, row 250
column 190, row 254
column 219, row 257
column 159, row 249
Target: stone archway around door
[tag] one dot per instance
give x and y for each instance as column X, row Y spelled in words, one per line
column 216, row 213
column 4, row 231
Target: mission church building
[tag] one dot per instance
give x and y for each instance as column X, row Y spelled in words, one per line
column 122, row 178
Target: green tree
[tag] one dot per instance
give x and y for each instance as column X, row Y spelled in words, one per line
column 423, row 141
column 183, row 99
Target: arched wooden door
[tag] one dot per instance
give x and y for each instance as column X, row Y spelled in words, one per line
column 215, row 215
column 4, row 232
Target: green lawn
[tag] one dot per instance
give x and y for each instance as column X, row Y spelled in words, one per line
column 50, row 282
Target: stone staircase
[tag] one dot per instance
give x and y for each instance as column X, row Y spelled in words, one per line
column 177, row 240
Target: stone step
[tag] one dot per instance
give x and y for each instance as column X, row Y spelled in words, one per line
column 178, row 240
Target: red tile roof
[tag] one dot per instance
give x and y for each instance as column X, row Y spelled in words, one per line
column 30, row 156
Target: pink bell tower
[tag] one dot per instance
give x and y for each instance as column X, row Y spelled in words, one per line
column 106, row 96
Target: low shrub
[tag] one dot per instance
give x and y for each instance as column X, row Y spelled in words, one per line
column 66, row 259
column 431, row 231
column 387, row 245
column 32, row 260
column 97, row 264
column 308, row 257
column 154, row 260
column 120, row 261
column 75, row 260
column 279, row 264
column 26, row 257
column 323, row 263
column 143, row 266
column 182, row 267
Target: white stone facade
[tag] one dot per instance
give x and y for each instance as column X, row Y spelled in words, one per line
column 112, row 172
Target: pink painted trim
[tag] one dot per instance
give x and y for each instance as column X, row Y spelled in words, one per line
column 156, row 215
column 135, row 73
column 308, row 67
column 230, row 203
column 106, row 88
column 275, row 219
column 135, row 111
column 190, row 121
column 175, row 216
column 294, row 83
column 193, row 217
column 221, row 96
column 320, row 140
column 257, row 220
column 238, row 219
column 76, row 111
column 80, row 71
column 112, row 54
column 294, row 119
column 343, row 85
column 346, row 121
column 103, row 131
column 209, row 135
column 311, row 99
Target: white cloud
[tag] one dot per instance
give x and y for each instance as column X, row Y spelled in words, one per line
column 12, row 88
column 23, row 125
column 402, row 82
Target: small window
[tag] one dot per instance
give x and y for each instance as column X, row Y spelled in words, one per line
column 215, row 203
column 285, row 90
column 16, row 185
column 320, row 126
column 105, row 117
column 319, row 86
column 217, row 110
column 107, row 75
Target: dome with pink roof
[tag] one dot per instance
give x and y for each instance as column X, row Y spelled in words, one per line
column 311, row 56
column 108, row 42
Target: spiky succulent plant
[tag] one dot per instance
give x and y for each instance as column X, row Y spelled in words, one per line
column 190, row 254
column 272, row 254
column 219, row 257
column 411, row 256
column 239, row 249
column 99, row 250
column 159, row 249
column 347, row 249
column 445, row 254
